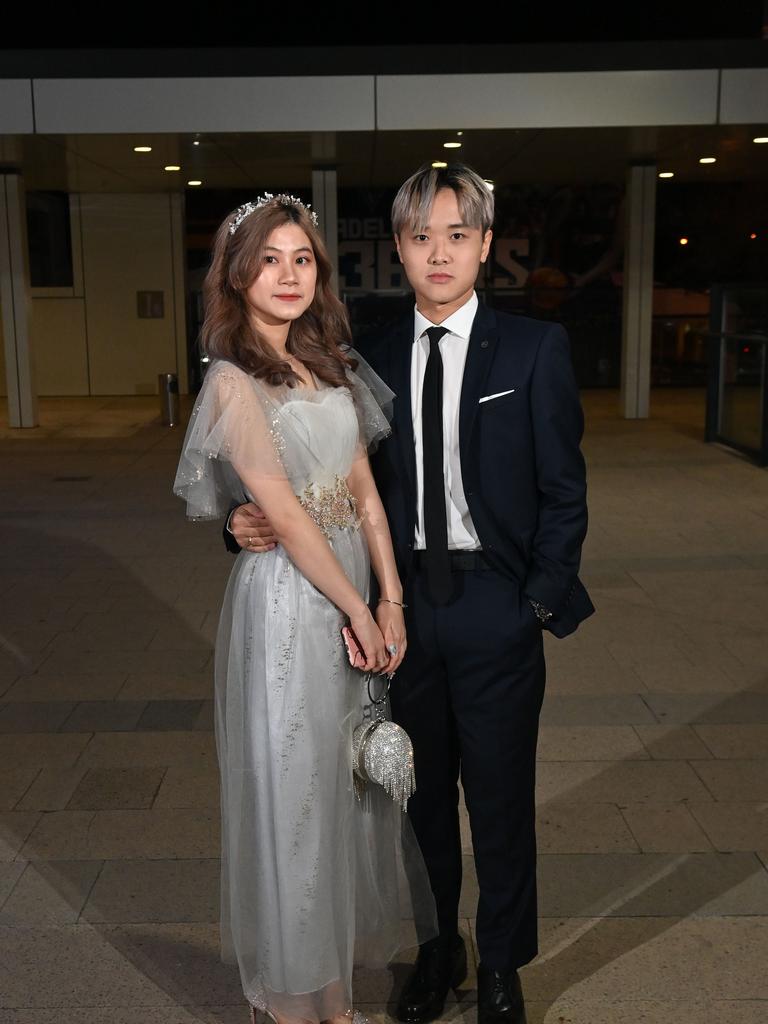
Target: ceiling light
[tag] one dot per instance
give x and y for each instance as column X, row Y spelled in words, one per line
column 761, row 138
column 439, row 163
column 459, row 133
column 753, row 235
column 142, row 149
column 172, row 167
column 196, row 142
column 451, row 145
column 666, row 174
column 489, row 183
column 683, row 241
column 194, row 182
column 707, row 159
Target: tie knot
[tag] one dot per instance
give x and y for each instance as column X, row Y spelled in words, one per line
column 435, row 334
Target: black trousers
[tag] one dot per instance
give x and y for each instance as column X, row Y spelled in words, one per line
column 469, row 693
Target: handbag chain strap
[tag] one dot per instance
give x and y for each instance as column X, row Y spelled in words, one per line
column 378, row 704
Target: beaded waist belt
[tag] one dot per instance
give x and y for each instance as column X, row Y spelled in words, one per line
column 332, row 507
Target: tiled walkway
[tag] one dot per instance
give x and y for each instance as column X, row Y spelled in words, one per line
column 654, row 748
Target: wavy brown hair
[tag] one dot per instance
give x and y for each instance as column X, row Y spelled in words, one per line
column 228, row 330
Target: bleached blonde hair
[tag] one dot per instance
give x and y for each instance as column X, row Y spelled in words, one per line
column 412, row 204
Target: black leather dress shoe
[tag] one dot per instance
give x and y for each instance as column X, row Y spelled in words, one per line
column 440, row 965
column 499, row 997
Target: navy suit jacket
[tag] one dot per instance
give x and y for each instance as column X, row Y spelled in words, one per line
column 522, row 470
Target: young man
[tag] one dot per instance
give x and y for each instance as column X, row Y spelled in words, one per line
column 484, row 487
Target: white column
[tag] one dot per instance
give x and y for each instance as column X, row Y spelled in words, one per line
column 15, row 303
column 640, row 210
column 179, row 294
column 325, row 205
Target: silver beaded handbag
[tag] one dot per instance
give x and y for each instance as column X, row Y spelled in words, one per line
column 382, row 752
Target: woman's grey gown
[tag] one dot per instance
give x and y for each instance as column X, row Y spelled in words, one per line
column 312, row 879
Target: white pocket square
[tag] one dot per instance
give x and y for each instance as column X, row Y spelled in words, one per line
column 499, row 394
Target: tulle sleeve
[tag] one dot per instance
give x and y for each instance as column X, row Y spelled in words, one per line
column 373, row 404
column 232, row 431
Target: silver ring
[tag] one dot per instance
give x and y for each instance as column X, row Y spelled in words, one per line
column 392, row 648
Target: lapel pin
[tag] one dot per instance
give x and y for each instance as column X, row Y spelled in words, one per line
column 484, row 343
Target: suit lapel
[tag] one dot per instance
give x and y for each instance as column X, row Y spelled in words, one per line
column 482, row 346
column 400, row 382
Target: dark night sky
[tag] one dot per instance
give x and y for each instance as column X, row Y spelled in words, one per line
column 235, row 23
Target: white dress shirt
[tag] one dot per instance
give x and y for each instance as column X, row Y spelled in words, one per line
column 453, row 350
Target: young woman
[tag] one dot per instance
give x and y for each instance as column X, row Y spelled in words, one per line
column 313, row 879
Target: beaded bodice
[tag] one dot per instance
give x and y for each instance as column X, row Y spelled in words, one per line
column 243, row 430
column 331, row 507
column 326, row 423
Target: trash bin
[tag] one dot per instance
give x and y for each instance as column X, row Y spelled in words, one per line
column 168, row 384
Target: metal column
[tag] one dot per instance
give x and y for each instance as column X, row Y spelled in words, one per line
column 638, row 291
column 15, row 302
column 325, row 202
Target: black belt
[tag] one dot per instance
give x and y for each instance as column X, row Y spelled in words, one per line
column 461, row 561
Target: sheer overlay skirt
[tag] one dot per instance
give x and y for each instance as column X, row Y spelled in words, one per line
column 312, row 880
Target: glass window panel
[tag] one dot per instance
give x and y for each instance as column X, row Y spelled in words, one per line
column 49, row 239
column 742, row 392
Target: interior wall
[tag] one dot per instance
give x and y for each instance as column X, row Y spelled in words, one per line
column 127, row 248
column 59, row 348
column 90, row 339
column 59, row 344
column 3, row 384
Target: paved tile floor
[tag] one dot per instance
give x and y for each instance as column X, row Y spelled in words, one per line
column 653, row 776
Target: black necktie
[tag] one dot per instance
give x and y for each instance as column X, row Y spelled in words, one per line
column 439, row 581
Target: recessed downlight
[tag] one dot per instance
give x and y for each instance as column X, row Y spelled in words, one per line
column 761, row 138
column 142, row 149
column 666, row 174
column 439, row 163
column 707, row 159
column 194, row 182
column 172, row 167
column 451, row 145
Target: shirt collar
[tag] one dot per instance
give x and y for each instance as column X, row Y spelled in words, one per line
column 458, row 323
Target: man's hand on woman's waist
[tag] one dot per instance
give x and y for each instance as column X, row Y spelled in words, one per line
column 251, row 528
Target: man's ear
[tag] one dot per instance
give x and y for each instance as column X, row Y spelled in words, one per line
column 397, row 245
column 486, row 245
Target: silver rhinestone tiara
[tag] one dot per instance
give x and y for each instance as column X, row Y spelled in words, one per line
column 247, row 208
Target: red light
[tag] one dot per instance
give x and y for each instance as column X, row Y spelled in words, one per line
column 753, row 235
column 745, row 349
